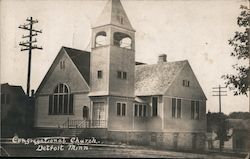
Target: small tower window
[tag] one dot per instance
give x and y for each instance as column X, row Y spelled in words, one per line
column 121, row 20
column 99, row 74
column 122, row 40
column 185, row 83
column 101, row 39
column 62, row 65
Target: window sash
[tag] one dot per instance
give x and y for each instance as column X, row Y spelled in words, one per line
column 154, row 106
column 118, row 107
column 173, row 107
column 178, row 108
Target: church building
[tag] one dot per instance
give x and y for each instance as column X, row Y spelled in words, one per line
column 108, row 94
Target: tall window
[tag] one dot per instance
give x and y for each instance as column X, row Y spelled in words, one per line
column 85, row 112
column 195, row 110
column 121, row 108
column 61, row 102
column 62, row 65
column 154, row 106
column 176, row 108
column 140, row 110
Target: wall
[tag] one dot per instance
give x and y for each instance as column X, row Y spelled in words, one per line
column 162, row 140
column 120, row 122
column 185, row 123
column 149, row 123
column 45, row 120
column 77, row 85
column 194, row 91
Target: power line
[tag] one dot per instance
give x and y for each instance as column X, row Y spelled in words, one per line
column 29, row 45
column 219, row 92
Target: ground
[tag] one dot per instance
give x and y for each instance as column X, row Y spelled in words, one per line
column 112, row 151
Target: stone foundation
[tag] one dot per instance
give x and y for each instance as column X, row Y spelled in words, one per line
column 165, row 140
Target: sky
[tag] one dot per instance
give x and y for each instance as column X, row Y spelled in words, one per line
column 193, row 30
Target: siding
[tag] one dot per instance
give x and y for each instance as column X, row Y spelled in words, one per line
column 185, row 123
column 45, row 120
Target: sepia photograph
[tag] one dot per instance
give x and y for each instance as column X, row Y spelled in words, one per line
column 125, row 78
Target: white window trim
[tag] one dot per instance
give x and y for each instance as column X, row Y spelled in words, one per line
column 176, row 109
column 121, row 108
column 143, row 106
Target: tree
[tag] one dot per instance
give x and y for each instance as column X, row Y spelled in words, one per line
column 216, row 122
column 239, row 115
column 240, row 42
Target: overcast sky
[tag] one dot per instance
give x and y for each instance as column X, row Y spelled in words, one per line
column 196, row 30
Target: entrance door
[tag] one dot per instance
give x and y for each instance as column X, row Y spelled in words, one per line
column 98, row 118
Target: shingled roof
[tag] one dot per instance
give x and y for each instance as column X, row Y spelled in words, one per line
column 156, row 78
column 82, row 61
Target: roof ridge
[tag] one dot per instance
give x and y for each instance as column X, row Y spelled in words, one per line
column 65, row 47
column 155, row 64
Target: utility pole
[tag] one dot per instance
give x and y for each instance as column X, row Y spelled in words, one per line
column 28, row 45
column 219, row 92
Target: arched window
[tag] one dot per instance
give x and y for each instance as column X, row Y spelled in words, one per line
column 100, row 39
column 122, row 40
column 85, row 112
column 61, row 102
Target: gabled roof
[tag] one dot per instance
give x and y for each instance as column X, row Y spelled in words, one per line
column 112, row 14
column 80, row 58
column 82, row 61
column 156, row 78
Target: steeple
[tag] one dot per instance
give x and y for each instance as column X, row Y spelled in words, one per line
column 114, row 14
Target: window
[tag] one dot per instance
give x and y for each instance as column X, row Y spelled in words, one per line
column 121, row 108
column 185, row 83
column 61, row 102
column 5, row 99
column 85, row 112
column 121, row 75
column 62, row 65
column 99, row 74
column 140, row 110
column 122, row 40
column 124, row 75
column 154, row 106
column 195, row 110
column 176, row 108
column 101, row 39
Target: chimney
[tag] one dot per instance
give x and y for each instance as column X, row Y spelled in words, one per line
column 32, row 93
column 162, row 58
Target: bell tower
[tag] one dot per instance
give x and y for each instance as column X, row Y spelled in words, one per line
column 112, row 60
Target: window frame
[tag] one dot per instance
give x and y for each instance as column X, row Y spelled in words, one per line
column 57, row 100
column 152, row 112
column 99, row 74
column 123, row 75
column 176, row 110
column 140, row 112
column 186, row 83
column 121, row 113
